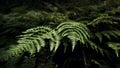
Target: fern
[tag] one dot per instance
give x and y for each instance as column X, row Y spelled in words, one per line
column 45, row 33
column 75, row 31
column 107, row 34
column 104, row 20
column 115, row 46
column 32, row 41
column 95, row 47
column 105, row 26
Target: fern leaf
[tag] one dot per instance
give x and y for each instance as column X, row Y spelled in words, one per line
column 99, row 36
column 115, row 46
column 104, row 20
column 32, row 41
column 73, row 44
column 74, row 29
column 96, row 47
column 108, row 34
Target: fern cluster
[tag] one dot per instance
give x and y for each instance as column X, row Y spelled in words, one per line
column 33, row 39
column 90, row 35
column 14, row 23
column 59, row 34
column 105, row 27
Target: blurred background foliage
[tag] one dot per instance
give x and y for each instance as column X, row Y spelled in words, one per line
column 18, row 15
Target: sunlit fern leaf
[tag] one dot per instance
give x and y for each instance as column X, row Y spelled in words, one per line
column 75, row 30
column 38, row 30
column 45, row 33
column 73, row 43
column 23, row 45
column 104, row 20
column 35, row 42
column 73, row 39
column 115, row 46
column 32, row 41
column 55, row 41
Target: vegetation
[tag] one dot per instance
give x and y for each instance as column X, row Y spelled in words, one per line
column 59, row 34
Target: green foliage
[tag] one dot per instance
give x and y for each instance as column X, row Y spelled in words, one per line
column 105, row 29
column 33, row 18
column 90, row 36
column 115, row 46
column 74, row 30
column 101, row 30
column 34, row 39
column 14, row 23
column 29, row 62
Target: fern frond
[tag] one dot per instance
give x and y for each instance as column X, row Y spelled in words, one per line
column 55, row 41
column 104, row 20
column 32, row 41
column 73, row 43
column 41, row 30
column 108, row 34
column 95, row 47
column 45, row 33
column 115, row 46
column 73, row 30
column 24, row 45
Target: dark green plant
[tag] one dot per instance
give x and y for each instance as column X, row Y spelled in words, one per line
column 104, row 30
column 33, row 39
column 92, row 41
